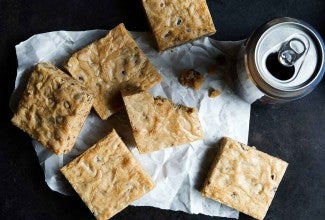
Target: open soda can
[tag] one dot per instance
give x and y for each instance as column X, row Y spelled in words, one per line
column 283, row 60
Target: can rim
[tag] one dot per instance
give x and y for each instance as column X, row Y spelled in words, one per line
column 296, row 91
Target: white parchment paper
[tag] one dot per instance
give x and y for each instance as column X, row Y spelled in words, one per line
column 178, row 172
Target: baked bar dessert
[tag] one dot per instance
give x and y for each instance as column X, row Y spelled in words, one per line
column 191, row 78
column 175, row 22
column 244, row 178
column 107, row 177
column 158, row 123
column 53, row 108
column 110, row 64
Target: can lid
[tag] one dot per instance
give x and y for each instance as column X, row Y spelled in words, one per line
column 285, row 58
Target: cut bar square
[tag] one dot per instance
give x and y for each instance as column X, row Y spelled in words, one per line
column 175, row 22
column 244, row 178
column 158, row 123
column 107, row 177
column 110, row 64
column 53, row 108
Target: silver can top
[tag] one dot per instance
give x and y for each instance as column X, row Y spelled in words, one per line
column 285, row 58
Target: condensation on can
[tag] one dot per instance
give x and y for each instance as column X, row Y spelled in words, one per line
column 283, row 60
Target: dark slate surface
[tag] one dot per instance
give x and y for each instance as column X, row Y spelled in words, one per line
column 292, row 131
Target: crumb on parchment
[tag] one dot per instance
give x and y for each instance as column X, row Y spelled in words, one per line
column 213, row 93
column 191, row 78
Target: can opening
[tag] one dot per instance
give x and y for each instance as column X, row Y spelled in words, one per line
column 277, row 69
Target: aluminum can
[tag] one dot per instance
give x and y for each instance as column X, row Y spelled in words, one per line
column 283, row 60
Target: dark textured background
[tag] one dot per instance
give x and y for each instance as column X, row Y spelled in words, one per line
column 292, row 131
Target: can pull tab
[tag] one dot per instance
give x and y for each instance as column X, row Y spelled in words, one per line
column 291, row 51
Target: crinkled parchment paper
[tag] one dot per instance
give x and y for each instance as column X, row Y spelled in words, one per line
column 179, row 172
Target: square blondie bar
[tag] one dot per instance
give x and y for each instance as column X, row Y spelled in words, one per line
column 244, row 178
column 110, row 64
column 107, row 177
column 53, row 108
column 175, row 22
column 158, row 123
